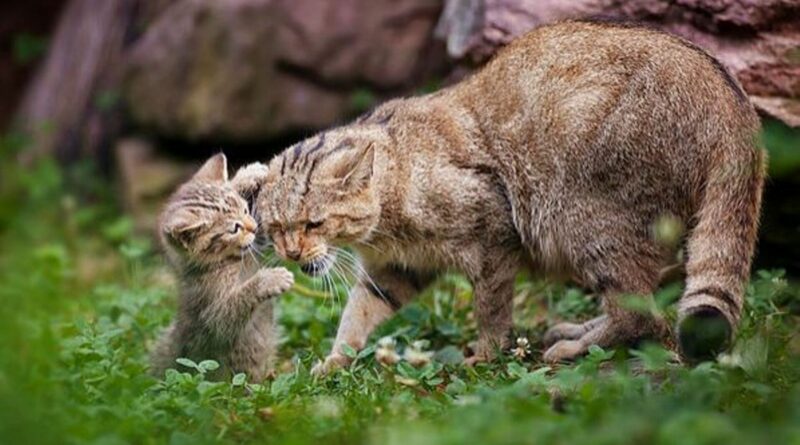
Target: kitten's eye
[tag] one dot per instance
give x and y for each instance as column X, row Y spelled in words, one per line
column 236, row 228
column 311, row 225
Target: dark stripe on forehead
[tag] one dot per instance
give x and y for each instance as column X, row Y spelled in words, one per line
column 283, row 164
column 311, row 169
column 316, row 147
column 385, row 119
column 200, row 204
column 298, row 148
column 371, row 117
column 364, row 117
column 345, row 144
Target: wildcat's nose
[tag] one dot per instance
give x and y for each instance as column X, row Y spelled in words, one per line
column 293, row 255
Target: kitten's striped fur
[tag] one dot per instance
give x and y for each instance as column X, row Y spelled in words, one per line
column 560, row 154
column 225, row 311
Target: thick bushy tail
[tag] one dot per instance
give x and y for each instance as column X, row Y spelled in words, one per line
column 720, row 249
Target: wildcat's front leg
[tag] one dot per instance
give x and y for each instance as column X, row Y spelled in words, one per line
column 493, row 294
column 371, row 302
column 362, row 314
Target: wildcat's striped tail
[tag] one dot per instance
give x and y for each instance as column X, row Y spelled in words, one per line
column 720, row 249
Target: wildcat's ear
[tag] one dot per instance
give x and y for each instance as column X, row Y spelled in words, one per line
column 183, row 227
column 353, row 170
column 214, row 170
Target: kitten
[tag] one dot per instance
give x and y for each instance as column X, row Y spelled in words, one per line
column 225, row 308
column 561, row 154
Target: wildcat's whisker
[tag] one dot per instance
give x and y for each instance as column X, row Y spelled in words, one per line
column 338, row 273
column 357, row 264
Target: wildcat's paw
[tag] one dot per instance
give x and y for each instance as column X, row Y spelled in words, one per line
column 565, row 350
column 476, row 359
column 276, row 281
column 572, row 331
column 563, row 331
column 331, row 363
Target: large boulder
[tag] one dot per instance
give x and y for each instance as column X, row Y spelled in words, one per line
column 252, row 69
column 758, row 40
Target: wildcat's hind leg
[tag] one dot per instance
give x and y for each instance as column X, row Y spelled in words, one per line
column 619, row 262
column 619, row 327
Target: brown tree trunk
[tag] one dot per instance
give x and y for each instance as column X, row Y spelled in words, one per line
column 23, row 26
column 70, row 107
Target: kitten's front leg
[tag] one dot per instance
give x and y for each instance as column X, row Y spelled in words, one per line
column 271, row 282
column 367, row 307
column 230, row 312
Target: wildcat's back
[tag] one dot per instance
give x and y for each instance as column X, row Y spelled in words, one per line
column 609, row 128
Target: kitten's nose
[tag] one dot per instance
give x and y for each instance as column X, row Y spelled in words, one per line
column 250, row 225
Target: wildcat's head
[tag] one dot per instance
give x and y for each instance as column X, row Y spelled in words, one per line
column 206, row 221
column 320, row 193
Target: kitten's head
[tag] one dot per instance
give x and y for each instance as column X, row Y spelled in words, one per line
column 320, row 193
column 206, row 222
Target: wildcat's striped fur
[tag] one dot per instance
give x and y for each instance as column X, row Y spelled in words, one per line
column 225, row 310
column 560, row 154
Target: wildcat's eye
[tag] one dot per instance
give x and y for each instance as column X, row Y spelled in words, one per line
column 236, row 228
column 311, row 225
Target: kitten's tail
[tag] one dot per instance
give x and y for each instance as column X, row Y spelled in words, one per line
column 720, row 249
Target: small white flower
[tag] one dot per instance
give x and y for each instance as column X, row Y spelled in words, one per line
column 415, row 354
column 387, row 343
column 386, row 356
column 385, row 353
column 523, row 348
column 417, row 358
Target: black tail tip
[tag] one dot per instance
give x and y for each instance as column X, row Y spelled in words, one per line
column 704, row 333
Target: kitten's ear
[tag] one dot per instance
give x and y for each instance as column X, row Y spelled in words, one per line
column 214, row 170
column 183, row 227
column 355, row 170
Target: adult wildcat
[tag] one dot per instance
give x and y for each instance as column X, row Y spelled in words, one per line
column 561, row 153
column 225, row 310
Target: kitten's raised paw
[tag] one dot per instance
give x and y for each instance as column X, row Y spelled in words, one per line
column 276, row 281
column 565, row 350
column 249, row 178
column 331, row 363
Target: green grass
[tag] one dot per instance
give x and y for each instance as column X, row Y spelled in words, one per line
column 82, row 299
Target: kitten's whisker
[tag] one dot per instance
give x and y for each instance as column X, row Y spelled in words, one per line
column 252, row 255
